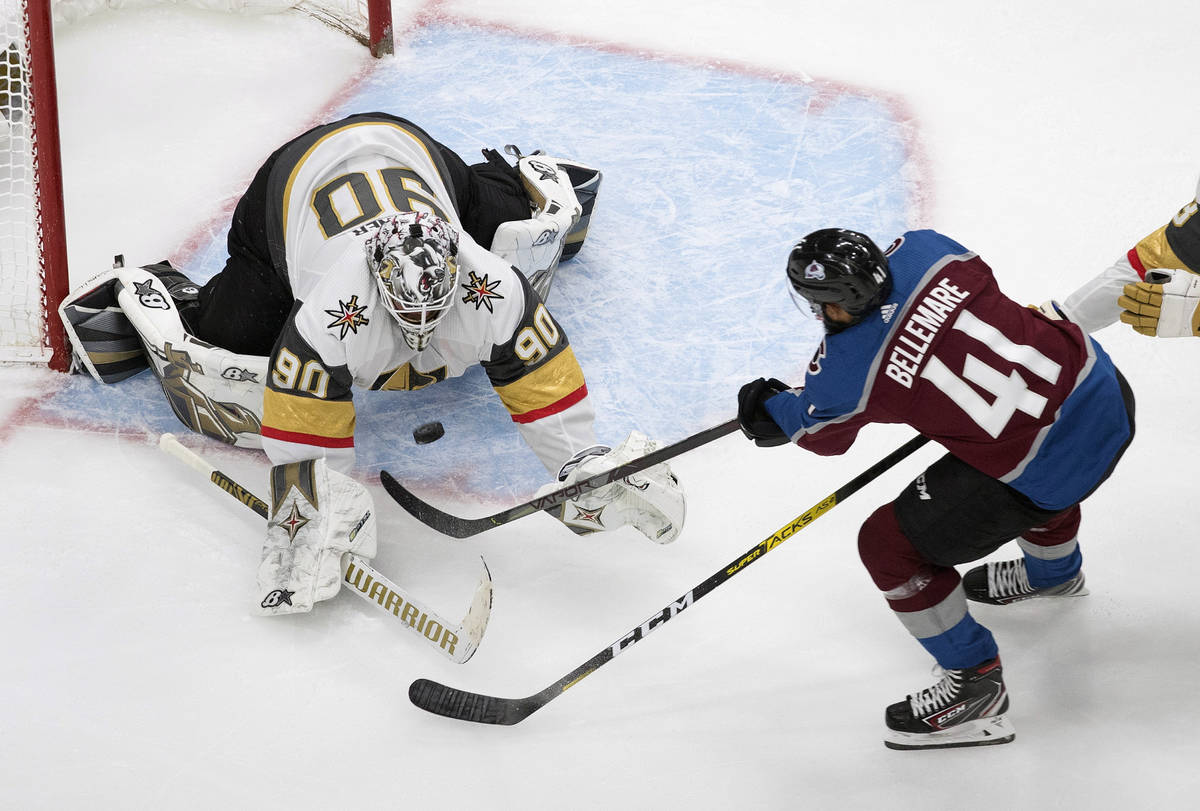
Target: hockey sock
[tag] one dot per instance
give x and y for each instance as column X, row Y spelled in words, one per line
column 965, row 645
column 1044, row 573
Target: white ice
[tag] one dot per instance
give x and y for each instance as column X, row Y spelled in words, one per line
column 135, row 675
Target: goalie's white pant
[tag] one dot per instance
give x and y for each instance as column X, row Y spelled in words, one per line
column 650, row 501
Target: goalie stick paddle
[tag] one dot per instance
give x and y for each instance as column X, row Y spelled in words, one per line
column 456, row 642
column 466, row 706
column 457, row 527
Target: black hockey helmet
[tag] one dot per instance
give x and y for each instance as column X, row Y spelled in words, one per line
column 842, row 267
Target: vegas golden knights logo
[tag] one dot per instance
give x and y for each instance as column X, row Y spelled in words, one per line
column 195, row 409
column 406, row 378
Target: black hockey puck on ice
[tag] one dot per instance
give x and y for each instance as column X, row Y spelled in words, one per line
column 429, row 432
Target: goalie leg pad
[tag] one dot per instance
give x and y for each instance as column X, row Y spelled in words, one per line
column 536, row 245
column 104, row 341
column 533, row 247
column 212, row 391
column 318, row 517
column 650, row 501
column 105, row 344
column 586, row 182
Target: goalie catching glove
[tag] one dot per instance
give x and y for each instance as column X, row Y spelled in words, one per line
column 1166, row 304
column 651, row 501
column 318, row 517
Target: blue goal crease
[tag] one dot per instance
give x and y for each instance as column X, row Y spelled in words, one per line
column 678, row 296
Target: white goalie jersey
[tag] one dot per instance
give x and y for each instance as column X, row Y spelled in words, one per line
column 340, row 183
column 340, row 334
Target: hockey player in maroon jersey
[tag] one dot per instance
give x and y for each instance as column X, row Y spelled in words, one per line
column 1034, row 416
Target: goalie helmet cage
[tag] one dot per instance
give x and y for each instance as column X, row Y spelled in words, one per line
column 33, row 246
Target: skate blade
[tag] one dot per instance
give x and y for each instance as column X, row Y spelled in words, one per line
column 982, row 732
column 1083, row 592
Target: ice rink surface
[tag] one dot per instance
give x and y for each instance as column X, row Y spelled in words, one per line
column 136, row 673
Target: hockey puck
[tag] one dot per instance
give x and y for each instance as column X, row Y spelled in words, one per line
column 429, row 432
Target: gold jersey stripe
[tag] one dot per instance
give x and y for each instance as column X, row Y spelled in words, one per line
column 305, row 415
column 544, row 386
column 1155, row 251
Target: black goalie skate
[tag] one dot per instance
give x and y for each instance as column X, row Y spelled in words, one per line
column 965, row 708
column 1008, row 582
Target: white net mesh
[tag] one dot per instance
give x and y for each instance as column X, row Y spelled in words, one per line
column 350, row 16
column 24, row 318
column 21, row 277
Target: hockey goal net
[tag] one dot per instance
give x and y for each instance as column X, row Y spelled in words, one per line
column 33, row 252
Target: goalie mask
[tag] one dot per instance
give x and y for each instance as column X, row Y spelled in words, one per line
column 413, row 259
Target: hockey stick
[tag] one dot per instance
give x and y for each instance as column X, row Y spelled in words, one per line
column 466, row 706
column 457, row 642
column 457, row 527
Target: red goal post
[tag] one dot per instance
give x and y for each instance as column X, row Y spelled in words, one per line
column 33, row 246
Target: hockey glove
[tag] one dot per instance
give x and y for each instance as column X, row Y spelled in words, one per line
column 651, row 501
column 753, row 418
column 1166, row 304
column 318, row 515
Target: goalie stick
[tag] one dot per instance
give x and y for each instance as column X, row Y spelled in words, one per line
column 451, row 702
column 457, row 527
column 457, row 642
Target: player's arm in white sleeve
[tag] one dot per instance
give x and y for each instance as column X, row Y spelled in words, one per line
column 529, row 361
column 308, row 406
column 541, row 384
column 1094, row 305
column 1166, row 302
column 1173, row 247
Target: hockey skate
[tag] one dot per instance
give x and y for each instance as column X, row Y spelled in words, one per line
column 965, row 708
column 1008, row 582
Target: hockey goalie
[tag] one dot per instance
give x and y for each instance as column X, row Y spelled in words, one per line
column 356, row 260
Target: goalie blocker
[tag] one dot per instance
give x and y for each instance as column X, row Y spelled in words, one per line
column 318, row 516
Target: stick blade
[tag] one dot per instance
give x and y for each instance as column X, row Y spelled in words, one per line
column 475, row 623
column 463, row 705
column 429, row 515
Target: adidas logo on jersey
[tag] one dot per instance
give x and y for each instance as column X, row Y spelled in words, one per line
column 887, row 311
